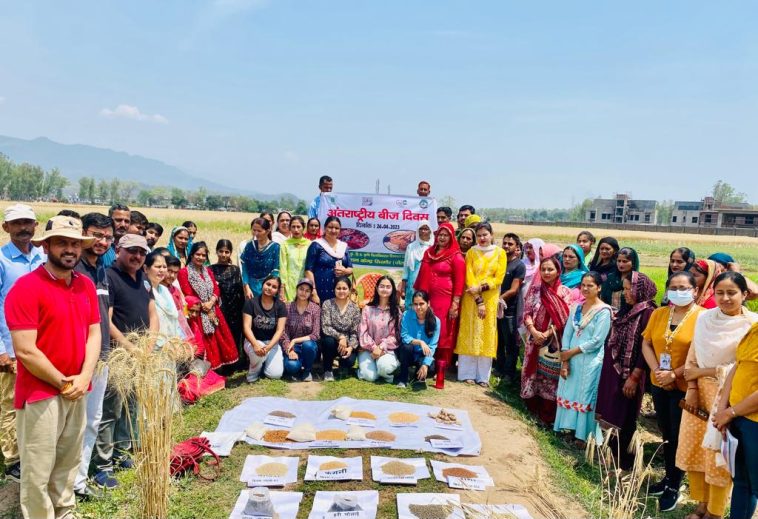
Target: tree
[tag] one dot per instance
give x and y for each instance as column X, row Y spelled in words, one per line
column 213, row 202
column 127, row 191
column 178, row 199
column 665, row 209
column 83, row 188
column 53, row 184
column 143, row 198
column 103, row 190
column 114, row 193
column 579, row 211
column 724, row 194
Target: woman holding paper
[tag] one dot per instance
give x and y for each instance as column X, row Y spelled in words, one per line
column 713, row 352
column 739, row 407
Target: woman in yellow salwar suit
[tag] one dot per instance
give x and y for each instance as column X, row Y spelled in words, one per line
column 477, row 335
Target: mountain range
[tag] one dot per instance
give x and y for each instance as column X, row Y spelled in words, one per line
column 79, row 160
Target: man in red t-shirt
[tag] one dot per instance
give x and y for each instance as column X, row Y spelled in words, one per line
column 53, row 316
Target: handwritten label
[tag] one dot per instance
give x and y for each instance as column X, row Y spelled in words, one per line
column 363, row 422
column 403, row 424
column 451, row 426
column 357, row 514
column 332, row 475
column 398, row 480
column 376, row 444
column 467, row 483
column 249, row 516
column 446, row 444
column 324, row 444
column 265, row 481
column 281, row 421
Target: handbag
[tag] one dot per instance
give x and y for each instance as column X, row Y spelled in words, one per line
column 187, row 455
column 549, row 359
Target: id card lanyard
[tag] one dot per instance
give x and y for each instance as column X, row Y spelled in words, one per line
column 668, row 335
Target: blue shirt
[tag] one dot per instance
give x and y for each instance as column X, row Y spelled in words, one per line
column 314, row 207
column 412, row 329
column 109, row 258
column 13, row 265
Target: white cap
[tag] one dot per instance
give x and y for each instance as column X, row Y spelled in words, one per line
column 19, row 212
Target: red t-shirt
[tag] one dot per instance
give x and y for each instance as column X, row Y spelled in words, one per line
column 62, row 315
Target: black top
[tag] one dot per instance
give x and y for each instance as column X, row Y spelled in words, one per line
column 130, row 300
column 99, row 277
column 264, row 321
column 513, row 270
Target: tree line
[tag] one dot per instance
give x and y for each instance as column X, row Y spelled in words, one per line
column 30, row 182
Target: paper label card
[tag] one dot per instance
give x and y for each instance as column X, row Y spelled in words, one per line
column 467, row 483
column 332, row 475
column 265, row 481
column 399, row 480
column 358, row 514
column 281, row 421
column 363, row 422
column 454, row 444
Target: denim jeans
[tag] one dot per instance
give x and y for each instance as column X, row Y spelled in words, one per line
column 306, row 354
column 745, row 491
column 507, row 346
column 669, row 415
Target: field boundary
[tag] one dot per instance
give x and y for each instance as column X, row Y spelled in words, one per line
column 673, row 229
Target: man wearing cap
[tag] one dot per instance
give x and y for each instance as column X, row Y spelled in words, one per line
column 99, row 227
column 132, row 309
column 17, row 258
column 54, row 320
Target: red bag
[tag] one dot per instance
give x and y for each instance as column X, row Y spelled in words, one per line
column 191, row 388
column 188, row 454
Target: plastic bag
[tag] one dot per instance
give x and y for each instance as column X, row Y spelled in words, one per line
column 256, row 431
column 303, row 432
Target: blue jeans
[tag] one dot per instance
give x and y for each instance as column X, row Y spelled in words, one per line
column 745, row 491
column 306, row 354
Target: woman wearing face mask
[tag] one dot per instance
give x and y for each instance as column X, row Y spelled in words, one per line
column 282, row 232
column 546, row 308
column 466, row 239
column 413, row 256
column 229, row 279
column 340, row 319
column 209, row 325
column 477, row 339
column 263, row 320
column 622, row 379
column 260, row 259
column 627, row 261
column 313, row 229
column 301, row 333
column 179, row 243
column 713, row 352
column 379, row 333
column 604, row 260
column 681, row 259
column 419, row 332
column 574, row 270
column 581, row 361
column 327, row 259
column 292, row 258
column 442, row 275
column 665, row 343
column 706, row 272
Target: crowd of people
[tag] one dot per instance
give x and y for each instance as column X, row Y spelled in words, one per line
column 596, row 335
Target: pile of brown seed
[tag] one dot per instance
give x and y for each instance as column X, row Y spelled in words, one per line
column 332, row 465
column 272, row 470
column 459, row 472
column 430, row 511
column 380, row 436
column 363, row 414
column 283, row 414
column 331, row 434
column 435, row 437
column 403, row 417
column 398, row 468
column 275, row 436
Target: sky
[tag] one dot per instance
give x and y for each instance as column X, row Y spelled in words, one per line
column 496, row 103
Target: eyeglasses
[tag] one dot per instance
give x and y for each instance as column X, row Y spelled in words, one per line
column 137, row 251
column 102, row 237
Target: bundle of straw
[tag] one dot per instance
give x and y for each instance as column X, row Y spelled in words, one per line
column 148, row 375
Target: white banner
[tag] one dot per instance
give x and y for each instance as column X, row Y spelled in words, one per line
column 378, row 228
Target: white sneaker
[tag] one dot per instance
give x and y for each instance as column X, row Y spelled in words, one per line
column 401, row 385
column 309, row 378
column 328, row 376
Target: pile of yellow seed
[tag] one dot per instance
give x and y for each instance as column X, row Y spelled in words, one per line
column 398, row 468
column 272, row 470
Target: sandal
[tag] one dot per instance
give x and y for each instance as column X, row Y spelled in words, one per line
column 469, row 381
column 484, row 384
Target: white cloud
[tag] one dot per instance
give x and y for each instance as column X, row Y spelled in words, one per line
column 132, row 112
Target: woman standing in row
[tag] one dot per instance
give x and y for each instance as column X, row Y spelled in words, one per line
column 477, row 338
column 574, row 270
column 581, row 360
column 282, row 232
column 622, row 379
column 326, row 260
column 229, row 279
column 168, row 315
column 179, row 243
column 681, row 259
column 714, row 345
column 466, row 240
column 627, row 261
column 313, row 229
column 604, row 260
column 340, row 320
column 666, row 342
column 413, row 256
column 442, row 275
column 260, row 259
column 546, row 308
column 706, row 272
column 292, row 258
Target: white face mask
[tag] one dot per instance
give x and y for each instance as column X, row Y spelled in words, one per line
column 680, row 297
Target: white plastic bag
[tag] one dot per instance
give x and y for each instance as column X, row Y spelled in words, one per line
column 304, row 432
column 256, row 431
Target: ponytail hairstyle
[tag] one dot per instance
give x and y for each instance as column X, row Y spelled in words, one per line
column 430, row 320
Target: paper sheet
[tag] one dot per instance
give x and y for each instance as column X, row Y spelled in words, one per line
column 422, row 471
column 353, row 471
column 222, row 442
column 253, row 462
column 439, row 466
column 286, row 504
column 368, row 500
column 404, row 500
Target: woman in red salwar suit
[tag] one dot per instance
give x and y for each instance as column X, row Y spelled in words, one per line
column 443, row 275
column 208, row 325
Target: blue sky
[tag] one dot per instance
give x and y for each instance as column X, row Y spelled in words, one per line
column 515, row 104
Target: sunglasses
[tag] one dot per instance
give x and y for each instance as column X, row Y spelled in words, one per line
column 137, row 251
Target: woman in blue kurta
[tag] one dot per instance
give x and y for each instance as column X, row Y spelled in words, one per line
column 581, row 361
column 260, row 258
column 420, row 333
column 327, row 259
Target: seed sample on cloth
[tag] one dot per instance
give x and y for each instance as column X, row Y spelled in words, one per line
column 430, row 511
column 459, row 472
column 259, row 504
column 273, row 469
column 283, row 414
column 332, row 465
column 276, row 436
column 345, row 503
column 398, row 468
column 445, row 417
column 331, row 435
column 380, row 436
column 403, row 418
column 363, row 414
